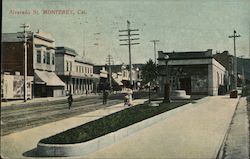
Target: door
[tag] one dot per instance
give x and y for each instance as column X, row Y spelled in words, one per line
column 185, row 84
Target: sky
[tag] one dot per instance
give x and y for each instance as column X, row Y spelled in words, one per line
column 93, row 27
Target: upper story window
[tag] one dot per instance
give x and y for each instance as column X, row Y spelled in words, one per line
column 67, row 65
column 38, row 56
column 70, row 65
column 48, row 57
column 44, row 57
column 53, row 59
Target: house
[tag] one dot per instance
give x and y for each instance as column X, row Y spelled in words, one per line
column 40, row 61
column 75, row 71
column 196, row 72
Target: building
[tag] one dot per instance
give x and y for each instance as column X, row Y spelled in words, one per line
column 40, row 61
column 195, row 72
column 120, row 75
column 75, row 72
column 103, row 78
column 226, row 60
column 243, row 65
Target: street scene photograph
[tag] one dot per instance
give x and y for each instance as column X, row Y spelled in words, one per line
column 113, row 79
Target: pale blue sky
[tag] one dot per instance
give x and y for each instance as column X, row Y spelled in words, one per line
column 180, row 25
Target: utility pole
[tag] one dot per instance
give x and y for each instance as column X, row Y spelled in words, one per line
column 242, row 70
column 235, row 58
column 155, row 41
column 129, row 43
column 25, row 26
column 109, row 60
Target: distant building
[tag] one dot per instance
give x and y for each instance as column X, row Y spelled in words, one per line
column 103, row 80
column 40, row 61
column 243, row 67
column 226, row 60
column 194, row 72
column 120, row 75
column 76, row 72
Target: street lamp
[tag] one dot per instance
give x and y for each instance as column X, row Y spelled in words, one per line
column 167, row 89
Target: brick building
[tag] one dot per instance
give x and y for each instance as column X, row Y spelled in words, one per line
column 40, row 61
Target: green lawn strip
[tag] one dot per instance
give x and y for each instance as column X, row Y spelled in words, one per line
column 109, row 123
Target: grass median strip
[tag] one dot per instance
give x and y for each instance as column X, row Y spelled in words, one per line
column 110, row 123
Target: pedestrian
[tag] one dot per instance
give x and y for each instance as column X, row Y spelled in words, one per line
column 105, row 97
column 126, row 97
column 130, row 99
column 70, row 100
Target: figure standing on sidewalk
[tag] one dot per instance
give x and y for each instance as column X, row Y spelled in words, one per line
column 105, row 97
column 126, row 98
column 130, row 99
column 70, row 100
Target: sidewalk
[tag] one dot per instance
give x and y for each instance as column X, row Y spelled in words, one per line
column 192, row 131
column 13, row 146
column 237, row 143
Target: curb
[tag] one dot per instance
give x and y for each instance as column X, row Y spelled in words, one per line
column 220, row 153
column 82, row 149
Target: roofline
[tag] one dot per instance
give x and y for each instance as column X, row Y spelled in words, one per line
column 43, row 38
column 84, row 62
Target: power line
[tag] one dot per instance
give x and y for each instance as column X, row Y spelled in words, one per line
column 25, row 26
column 129, row 43
column 110, row 60
column 235, row 58
column 155, row 41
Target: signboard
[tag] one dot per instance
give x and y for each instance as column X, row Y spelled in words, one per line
column 12, row 87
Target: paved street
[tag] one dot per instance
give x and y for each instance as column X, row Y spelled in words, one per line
column 15, row 145
column 193, row 131
column 36, row 114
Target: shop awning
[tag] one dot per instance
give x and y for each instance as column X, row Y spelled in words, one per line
column 48, row 78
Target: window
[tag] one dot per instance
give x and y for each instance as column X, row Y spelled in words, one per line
column 44, row 57
column 38, row 56
column 70, row 68
column 67, row 65
column 53, row 59
column 48, row 57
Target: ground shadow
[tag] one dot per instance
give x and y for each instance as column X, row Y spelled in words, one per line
column 31, row 153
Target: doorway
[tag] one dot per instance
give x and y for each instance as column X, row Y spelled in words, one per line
column 185, row 84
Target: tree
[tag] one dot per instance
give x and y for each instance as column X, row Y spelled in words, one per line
column 149, row 74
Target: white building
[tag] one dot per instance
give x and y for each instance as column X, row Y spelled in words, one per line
column 76, row 72
column 194, row 72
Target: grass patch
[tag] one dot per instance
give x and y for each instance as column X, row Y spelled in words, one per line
column 110, row 123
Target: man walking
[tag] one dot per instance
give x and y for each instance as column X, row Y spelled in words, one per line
column 70, row 100
column 105, row 97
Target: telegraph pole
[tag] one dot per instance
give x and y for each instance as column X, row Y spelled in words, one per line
column 25, row 26
column 110, row 61
column 235, row 58
column 129, row 43
column 155, row 41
